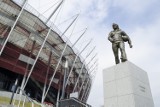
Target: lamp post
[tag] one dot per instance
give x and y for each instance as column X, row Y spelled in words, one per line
column 65, row 62
column 14, row 87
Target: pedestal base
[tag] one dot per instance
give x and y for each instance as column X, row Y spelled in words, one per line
column 126, row 85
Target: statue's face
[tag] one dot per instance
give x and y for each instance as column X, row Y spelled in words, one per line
column 115, row 26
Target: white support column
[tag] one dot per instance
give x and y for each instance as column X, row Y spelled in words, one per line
column 64, row 78
column 85, row 88
column 32, row 104
column 82, row 69
column 78, row 77
column 94, row 69
column 24, row 101
column 15, row 95
column 86, row 92
column 86, row 97
column 95, row 62
column 85, row 75
column 31, row 70
column 77, row 15
column 19, row 100
column 92, row 59
column 59, row 58
column 57, row 103
column 55, row 70
column 45, row 83
column 54, row 11
column 92, row 78
column 79, row 38
column 12, row 28
column 84, row 81
column 28, row 60
column 75, row 62
column 82, row 84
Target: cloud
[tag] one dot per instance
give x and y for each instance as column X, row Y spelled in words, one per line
column 133, row 6
column 90, row 9
column 141, row 21
column 145, row 53
column 98, row 10
column 146, row 38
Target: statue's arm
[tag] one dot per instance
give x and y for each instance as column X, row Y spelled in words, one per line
column 110, row 37
column 129, row 40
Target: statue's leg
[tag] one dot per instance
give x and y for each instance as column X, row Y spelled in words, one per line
column 115, row 52
column 123, row 52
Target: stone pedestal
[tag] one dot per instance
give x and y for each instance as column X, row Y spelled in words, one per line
column 126, row 85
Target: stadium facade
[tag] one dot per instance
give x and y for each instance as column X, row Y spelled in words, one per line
column 36, row 56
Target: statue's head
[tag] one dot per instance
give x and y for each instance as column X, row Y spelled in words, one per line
column 115, row 26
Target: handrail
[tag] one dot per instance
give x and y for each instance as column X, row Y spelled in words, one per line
column 76, row 100
column 29, row 99
column 23, row 92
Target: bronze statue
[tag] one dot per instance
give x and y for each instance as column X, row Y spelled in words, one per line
column 117, row 37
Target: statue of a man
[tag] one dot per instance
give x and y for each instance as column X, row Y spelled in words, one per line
column 117, row 37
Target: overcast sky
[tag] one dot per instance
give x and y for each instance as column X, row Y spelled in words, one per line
column 140, row 19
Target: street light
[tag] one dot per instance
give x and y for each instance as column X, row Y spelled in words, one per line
column 14, row 87
column 65, row 62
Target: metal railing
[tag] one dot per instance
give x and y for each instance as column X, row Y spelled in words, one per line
column 33, row 102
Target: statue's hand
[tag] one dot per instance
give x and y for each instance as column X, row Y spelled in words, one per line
column 130, row 45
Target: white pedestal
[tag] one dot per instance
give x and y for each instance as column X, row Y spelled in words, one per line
column 126, row 85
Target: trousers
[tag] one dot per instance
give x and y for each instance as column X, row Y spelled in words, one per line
column 116, row 47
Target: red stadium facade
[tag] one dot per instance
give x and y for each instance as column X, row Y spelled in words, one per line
column 33, row 53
